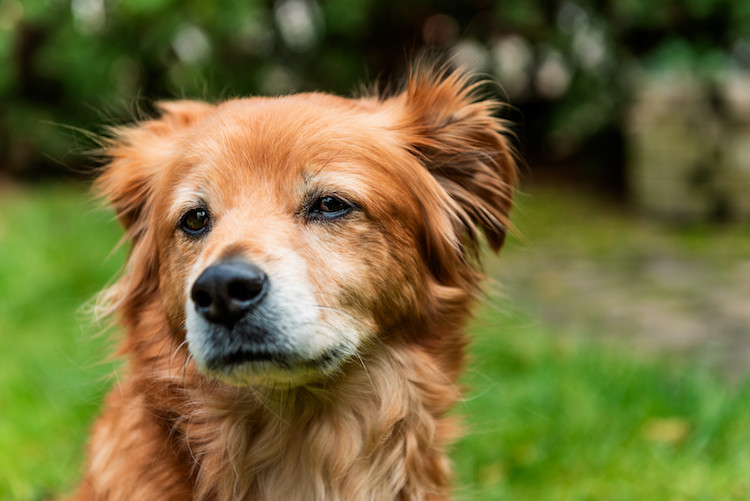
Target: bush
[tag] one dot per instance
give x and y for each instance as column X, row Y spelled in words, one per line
column 568, row 65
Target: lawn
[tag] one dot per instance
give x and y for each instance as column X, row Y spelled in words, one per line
column 549, row 416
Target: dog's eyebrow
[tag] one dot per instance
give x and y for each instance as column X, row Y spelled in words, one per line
column 187, row 197
column 307, row 175
column 343, row 181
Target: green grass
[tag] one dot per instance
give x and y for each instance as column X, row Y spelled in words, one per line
column 555, row 418
column 549, row 417
column 53, row 259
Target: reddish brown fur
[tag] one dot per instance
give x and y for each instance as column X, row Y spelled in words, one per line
column 433, row 172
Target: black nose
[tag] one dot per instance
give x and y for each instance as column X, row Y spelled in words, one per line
column 225, row 292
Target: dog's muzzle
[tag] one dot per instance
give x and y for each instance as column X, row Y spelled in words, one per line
column 246, row 328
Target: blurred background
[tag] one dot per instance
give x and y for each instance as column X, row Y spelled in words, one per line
column 618, row 330
column 597, row 84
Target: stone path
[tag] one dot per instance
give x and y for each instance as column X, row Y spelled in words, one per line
column 589, row 268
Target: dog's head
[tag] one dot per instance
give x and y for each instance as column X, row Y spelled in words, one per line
column 283, row 236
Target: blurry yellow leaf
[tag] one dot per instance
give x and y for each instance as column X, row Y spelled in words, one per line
column 492, row 475
column 670, row 431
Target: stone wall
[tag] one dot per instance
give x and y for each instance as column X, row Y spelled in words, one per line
column 689, row 148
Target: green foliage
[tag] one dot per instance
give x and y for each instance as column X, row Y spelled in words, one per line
column 90, row 62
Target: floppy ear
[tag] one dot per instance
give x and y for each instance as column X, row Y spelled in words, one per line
column 138, row 156
column 465, row 147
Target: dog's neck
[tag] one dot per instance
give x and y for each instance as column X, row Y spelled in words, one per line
column 381, row 423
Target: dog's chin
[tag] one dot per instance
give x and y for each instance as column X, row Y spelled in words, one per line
column 266, row 374
column 268, row 369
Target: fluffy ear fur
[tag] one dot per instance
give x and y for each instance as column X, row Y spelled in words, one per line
column 465, row 147
column 138, row 155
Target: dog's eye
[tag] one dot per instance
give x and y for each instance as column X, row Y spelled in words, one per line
column 195, row 222
column 330, row 207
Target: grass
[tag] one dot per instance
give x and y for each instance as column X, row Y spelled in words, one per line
column 555, row 418
column 53, row 249
column 549, row 417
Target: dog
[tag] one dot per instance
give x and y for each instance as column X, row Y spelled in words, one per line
column 299, row 274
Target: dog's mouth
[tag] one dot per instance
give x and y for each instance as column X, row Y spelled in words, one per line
column 248, row 360
column 242, row 359
column 282, row 359
column 244, row 356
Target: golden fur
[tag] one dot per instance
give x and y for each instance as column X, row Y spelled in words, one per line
column 428, row 171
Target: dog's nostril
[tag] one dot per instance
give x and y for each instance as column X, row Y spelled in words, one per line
column 201, row 298
column 245, row 290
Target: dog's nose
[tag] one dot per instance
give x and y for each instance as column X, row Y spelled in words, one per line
column 225, row 292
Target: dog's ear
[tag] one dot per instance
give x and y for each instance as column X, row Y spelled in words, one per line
column 459, row 140
column 137, row 155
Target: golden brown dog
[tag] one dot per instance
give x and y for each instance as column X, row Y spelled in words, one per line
column 300, row 272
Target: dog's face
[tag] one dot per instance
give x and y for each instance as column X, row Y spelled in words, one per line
column 287, row 238
column 283, row 237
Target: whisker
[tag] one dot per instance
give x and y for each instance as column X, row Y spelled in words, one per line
column 265, row 400
column 384, row 349
column 367, row 373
